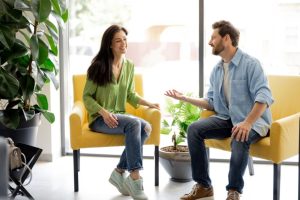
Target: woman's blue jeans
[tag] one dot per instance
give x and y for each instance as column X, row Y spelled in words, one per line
column 136, row 131
column 215, row 128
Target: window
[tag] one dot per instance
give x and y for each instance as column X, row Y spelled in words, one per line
column 162, row 42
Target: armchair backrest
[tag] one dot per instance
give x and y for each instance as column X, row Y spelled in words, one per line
column 79, row 83
column 286, row 94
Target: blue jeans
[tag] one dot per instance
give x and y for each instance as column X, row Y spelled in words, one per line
column 136, row 131
column 216, row 128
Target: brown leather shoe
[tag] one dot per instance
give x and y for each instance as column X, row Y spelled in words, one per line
column 233, row 195
column 199, row 193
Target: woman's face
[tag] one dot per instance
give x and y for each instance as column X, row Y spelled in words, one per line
column 119, row 43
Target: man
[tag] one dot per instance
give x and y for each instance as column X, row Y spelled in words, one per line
column 240, row 96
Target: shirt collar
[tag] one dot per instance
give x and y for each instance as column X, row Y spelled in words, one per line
column 235, row 60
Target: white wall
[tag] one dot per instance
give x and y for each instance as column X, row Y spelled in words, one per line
column 49, row 137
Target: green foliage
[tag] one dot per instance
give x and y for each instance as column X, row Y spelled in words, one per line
column 182, row 115
column 28, row 51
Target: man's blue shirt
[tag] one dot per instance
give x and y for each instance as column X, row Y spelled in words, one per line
column 248, row 84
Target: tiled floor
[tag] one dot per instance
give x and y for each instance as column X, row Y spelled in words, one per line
column 54, row 181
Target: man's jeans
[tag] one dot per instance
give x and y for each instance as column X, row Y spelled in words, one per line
column 136, row 131
column 216, row 128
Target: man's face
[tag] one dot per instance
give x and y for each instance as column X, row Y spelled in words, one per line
column 216, row 42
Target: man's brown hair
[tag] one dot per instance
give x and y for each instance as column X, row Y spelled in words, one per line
column 225, row 28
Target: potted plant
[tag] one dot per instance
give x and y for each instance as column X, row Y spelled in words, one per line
column 28, row 53
column 176, row 158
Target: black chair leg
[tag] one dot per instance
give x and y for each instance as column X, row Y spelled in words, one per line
column 250, row 166
column 156, row 163
column 76, row 163
column 276, row 181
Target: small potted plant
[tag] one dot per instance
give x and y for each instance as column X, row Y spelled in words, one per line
column 28, row 57
column 175, row 158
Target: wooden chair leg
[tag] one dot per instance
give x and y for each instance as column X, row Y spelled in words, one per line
column 156, row 163
column 250, row 166
column 76, row 165
column 276, row 181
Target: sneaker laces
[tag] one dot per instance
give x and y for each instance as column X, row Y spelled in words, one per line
column 233, row 195
column 194, row 190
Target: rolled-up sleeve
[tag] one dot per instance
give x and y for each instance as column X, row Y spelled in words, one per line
column 259, row 85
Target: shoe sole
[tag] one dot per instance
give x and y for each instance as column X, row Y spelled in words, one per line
column 130, row 193
column 206, row 198
column 116, row 185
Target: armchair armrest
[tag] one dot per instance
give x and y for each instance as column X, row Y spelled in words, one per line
column 284, row 137
column 207, row 113
column 77, row 119
column 152, row 115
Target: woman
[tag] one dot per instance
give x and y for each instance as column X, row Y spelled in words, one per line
column 110, row 84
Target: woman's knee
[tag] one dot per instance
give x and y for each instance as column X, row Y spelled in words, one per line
column 148, row 129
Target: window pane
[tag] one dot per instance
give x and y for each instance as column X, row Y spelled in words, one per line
column 270, row 31
column 162, row 41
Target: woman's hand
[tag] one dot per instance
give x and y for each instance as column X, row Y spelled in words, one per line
column 154, row 105
column 175, row 94
column 110, row 119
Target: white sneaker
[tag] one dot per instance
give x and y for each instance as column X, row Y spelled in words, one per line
column 135, row 188
column 117, row 180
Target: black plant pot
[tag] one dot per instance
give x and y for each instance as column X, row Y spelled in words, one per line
column 177, row 164
column 26, row 133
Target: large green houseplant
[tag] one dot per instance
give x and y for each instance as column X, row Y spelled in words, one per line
column 28, row 57
column 175, row 158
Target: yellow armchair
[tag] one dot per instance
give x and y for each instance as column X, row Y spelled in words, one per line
column 82, row 137
column 284, row 132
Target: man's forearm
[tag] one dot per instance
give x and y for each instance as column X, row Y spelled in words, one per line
column 200, row 102
column 256, row 112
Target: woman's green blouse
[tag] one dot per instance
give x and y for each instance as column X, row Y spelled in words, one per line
column 113, row 96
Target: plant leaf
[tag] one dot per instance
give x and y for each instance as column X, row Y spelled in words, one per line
column 52, row 44
column 51, row 75
column 41, row 9
column 43, row 51
column 27, row 84
column 9, row 85
column 49, row 116
column 42, row 101
column 56, row 7
column 22, row 5
column 34, row 46
column 10, row 118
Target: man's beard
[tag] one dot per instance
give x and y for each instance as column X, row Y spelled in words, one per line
column 218, row 49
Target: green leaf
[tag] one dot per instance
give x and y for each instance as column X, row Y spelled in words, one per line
column 34, row 45
column 42, row 101
column 10, row 118
column 51, row 26
column 43, row 51
column 49, row 116
column 165, row 130
column 9, row 85
column 48, row 66
column 53, row 78
column 56, row 6
column 41, row 9
column 52, row 44
column 22, row 5
column 59, row 20
column 65, row 16
column 7, row 36
column 27, row 84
